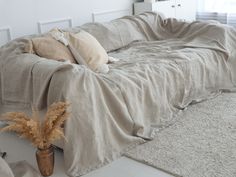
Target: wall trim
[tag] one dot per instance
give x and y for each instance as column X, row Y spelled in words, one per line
column 8, row 30
column 110, row 12
column 41, row 24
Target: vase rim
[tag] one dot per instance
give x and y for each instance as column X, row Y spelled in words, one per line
column 51, row 146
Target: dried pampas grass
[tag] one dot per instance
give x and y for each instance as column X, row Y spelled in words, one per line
column 41, row 134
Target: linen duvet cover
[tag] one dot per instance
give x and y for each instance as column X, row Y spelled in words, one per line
column 164, row 66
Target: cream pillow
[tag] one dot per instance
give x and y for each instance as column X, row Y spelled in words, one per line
column 48, row 47
column 87, row 50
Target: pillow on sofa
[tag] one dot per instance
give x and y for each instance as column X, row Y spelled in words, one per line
column 84, row 45
column 49, row 48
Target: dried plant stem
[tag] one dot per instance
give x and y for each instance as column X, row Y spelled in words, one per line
column 41, row 134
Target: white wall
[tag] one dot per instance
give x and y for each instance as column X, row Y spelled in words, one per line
column 21, row 17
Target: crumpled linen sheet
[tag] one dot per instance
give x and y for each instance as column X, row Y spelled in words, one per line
column 164, row 66
column 17, row 169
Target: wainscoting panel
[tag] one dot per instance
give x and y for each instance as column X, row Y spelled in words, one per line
column 5, row 35
column 106, row 16
column 35, row 16
column 45, row 26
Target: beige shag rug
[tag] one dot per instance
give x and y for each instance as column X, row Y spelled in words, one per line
column 202, row 143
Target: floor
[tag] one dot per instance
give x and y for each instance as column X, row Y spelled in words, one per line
column 19, row 149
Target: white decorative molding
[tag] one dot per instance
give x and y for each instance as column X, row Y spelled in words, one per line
column 110, row 15
column 44, row 26
column 5, row 35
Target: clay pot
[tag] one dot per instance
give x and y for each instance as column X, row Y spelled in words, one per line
column 45, row 160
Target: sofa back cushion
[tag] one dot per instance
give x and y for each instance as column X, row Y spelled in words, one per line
column 85, row 47
column 115, row 34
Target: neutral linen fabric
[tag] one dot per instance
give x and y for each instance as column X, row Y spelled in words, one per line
column 17, row 169
column 173, row 64
column 115, row 34
column 85, row 49
column 88, row 48
column 30, row 77
column 49, row 48
column 201, row 143
column 23, row 169
column 61, row 37
column 5, row 170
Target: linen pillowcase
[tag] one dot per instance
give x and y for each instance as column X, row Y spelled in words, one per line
column 87, row 49
column 48, row 47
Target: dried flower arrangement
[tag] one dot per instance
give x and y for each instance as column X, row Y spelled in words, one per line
column 41, row 134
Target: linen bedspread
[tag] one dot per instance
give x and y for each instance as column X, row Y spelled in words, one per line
column 176, row 64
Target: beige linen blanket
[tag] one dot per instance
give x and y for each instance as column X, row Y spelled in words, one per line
column 164, row 66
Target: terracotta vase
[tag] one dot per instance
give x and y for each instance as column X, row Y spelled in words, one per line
column 45, row 160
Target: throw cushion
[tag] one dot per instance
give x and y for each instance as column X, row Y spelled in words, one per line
column 87, row 49
column 49, row 48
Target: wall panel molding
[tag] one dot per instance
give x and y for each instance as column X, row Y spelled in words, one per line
column 105, row 16
column 5, row 35
column 44, row 26
column 34, row 17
